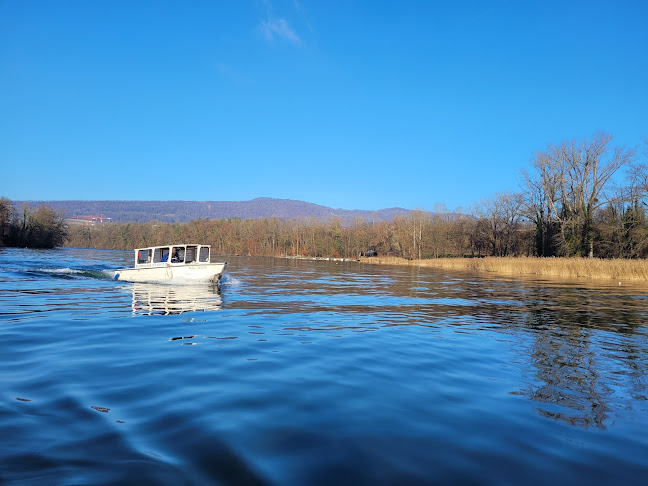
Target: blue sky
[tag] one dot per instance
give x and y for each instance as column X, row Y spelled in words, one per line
column 355, row 105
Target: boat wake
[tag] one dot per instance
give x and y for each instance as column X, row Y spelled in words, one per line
column 230, row 281
column 69, row 273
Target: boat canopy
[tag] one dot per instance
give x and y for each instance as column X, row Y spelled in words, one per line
column 172, row 254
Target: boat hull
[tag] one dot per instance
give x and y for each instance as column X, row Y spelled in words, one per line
column 173, row 273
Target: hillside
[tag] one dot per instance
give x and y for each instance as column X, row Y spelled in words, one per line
column 183, row 211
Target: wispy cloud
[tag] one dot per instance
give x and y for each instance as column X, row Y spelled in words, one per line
column 272, row 28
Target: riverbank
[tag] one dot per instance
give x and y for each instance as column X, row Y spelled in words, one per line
column 593, row 268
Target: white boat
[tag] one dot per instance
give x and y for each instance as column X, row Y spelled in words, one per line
column 185, row 263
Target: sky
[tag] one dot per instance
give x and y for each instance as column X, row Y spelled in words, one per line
column 349, row 104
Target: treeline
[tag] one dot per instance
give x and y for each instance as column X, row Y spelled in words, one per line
column 274, row 237
column 31, row 227
column 568, row 205
column 496, row 231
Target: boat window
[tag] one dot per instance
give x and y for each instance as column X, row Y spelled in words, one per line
column 144, row 256
column 161, row 255
column 204, row 254
column 191, row 254
column 178, row 254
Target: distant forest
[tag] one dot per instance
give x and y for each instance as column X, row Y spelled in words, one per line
column 583, row 198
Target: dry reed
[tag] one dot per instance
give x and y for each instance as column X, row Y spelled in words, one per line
column 591, row 268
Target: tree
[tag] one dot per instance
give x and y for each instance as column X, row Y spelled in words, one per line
column 569, row 184
column 409, row 233
column 5, row 218
column 539, row 199
column 46, row 228
column 499, row 223
column 39, row 228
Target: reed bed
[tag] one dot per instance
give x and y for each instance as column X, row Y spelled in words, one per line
column 591, row 268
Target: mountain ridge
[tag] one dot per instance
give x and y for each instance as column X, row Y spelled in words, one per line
column 175, row 211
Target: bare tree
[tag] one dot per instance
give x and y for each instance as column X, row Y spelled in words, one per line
column 417, row 221
column 500, row 221
column 568, row 186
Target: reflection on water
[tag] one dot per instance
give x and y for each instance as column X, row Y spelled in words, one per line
column 584, row 343
column 571, row 388
column 299, row 372
column 574, row 341
column 151, row 299
column 578, row 337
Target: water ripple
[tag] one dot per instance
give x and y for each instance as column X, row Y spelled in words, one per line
column 298, row 372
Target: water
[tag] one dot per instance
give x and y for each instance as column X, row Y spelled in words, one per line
column 303, row 372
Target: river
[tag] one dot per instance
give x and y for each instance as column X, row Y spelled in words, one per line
column 299, row 372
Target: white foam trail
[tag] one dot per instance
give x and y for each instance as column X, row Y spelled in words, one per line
column 101, row 274
column 108, row 274
column 230, row 280
column 70, row 271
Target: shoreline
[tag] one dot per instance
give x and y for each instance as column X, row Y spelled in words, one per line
column 618, row 270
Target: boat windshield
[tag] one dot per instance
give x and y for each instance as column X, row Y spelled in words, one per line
column 204, row 254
